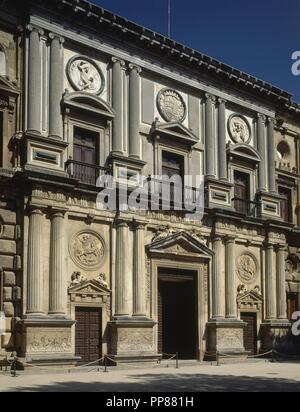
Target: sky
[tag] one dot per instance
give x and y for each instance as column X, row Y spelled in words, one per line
column 255, row 36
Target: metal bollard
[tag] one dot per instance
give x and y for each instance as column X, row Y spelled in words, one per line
column 13, row 369
column 105, row 363
column 218, row 359
column 177, row 365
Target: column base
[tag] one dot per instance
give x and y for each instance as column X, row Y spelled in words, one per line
column 132, row 339
column 45, row 339
column 225, row 336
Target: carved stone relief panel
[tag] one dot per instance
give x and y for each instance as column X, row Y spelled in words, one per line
column 85, row 75
column 239, row 129
column 246, row 268
column 171, row 106
column 87, row 250
column 46, row 340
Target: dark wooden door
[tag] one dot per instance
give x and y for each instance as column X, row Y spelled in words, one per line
column 250, row 332
column 173, row 165
column 177, row 317
column 241, row 192
column 292, row 304
column 88, row 332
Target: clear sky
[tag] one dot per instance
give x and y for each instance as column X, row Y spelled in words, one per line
column 256, row 36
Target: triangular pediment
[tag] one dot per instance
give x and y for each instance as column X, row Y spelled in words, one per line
column 8, row 86
column 89, row 287
column 89, row 103
column 175, row 130
column 250, row 297
column 244, row 152
column 180, row 244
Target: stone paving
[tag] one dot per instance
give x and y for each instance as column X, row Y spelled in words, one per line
column 244, row 377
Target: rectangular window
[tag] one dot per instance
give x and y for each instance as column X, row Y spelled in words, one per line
column 241, row 192
column 85, row 155
column 285, row 203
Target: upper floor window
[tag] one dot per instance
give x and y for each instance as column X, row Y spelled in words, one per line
column 2, row 62
column 285, row 203
column 172, row 164
column 241, row 192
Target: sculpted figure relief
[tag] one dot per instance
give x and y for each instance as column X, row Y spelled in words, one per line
column 87, row 250
column 239, row 129
column 246, row 268
column 85, row 75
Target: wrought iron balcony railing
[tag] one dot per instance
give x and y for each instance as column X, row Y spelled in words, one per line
column 246, row 207
column 84, row 172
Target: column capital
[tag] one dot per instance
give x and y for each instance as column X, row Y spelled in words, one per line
column 220, row 100
column 116, row 60
column 56, row 213
column 135, row 67
column 229, row 239
column 281, row 247
column 137, row 225
column 53, row 36
column 271, row 120
column 268, row 245
column 261, row 117
column 121, row 223
column 32, row 28
column 210, row 97
column 34, row 210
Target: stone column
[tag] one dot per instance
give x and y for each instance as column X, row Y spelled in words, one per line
column 139, row 275
column 271, row 156
column 222, row 140
column 230, row 291
column 270, row 285
column 134, row 111
column 217, row 292
column 34, row 81
column 261, row 147
column 209, row 137
column 58, row 286
column 281, row 290
column 121, row 284
column 117, row 102
column 35, row 281
column 56, row 86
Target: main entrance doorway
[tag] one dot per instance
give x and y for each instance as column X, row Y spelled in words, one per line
column 177, row 308
column 250, row 331
column 88, row 332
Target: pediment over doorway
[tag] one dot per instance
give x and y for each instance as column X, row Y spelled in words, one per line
column 89, row 290
column 250, row 300
column 180, row 244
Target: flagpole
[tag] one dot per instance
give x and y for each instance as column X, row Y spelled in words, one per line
column 169, row 18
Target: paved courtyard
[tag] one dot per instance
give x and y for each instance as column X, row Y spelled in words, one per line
column 258, row 376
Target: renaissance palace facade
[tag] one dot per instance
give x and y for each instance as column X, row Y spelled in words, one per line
column 85, row 93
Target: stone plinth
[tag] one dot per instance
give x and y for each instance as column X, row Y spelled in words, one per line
column 132, row 340
column 226, row 337
column 47, row 341
column 276, row 335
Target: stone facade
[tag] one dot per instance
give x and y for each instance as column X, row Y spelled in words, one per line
column 61, row 255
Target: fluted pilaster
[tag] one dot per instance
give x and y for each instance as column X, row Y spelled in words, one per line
column 209, row 137
column 261, row 146
column 117, row 101
column 58, row 286
column 270, row 286
column 222, row 140
column 281, row 290
column 139, row 275
column 35, row 280
column 231, row 305
column 122, row 285
column 217, row 292
column 271, row 156
column 134, row 111
column 56, row 85
column 34, row 80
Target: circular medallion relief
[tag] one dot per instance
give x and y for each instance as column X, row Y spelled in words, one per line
column 171, row 106
column 87, row 250
column 239, row 129
column 85, row 75
column 246, row 268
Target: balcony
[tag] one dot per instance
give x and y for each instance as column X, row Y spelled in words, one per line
column 246, row 207
column 85, row 173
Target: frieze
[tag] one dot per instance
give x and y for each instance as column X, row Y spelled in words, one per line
column 87, row 250
column 135, row 340
column 54, row 341
column 85, row 75
column 171, row 105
